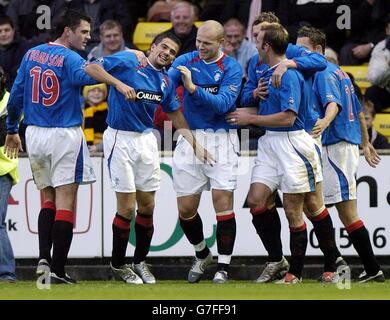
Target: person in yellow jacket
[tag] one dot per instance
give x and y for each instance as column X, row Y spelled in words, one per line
column 8, row 177
column 95, row 114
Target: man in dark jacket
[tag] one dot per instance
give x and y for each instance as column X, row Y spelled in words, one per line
column 12, row 49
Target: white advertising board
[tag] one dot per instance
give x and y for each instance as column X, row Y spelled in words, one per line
column 168, row 239
column 96, row 207
column 23, row 210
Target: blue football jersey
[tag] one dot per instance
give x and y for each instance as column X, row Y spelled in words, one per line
column 217, row 88
column 47, row 88
column 292, row 95
column 152, row 86
column 307, row 62
column 334, row 85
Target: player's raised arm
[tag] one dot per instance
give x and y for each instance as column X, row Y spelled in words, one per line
column 101, row 75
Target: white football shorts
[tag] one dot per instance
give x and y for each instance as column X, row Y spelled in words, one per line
column 58, row 156
column 287, row 161
column 340, row 163
column 191, row 176
column 133, row 160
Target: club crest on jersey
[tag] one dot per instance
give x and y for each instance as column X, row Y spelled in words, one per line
column 149, row 96
column 163, row 85
column 211, row 89
column 217, row 76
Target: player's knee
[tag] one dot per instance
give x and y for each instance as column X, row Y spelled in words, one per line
column 311, row 205
column 126, row 212
column 146, row 208
column 254, row 202
column 295, row 219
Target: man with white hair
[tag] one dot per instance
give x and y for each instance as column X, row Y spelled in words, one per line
column 183, row 17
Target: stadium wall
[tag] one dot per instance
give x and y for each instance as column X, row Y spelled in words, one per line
column 96, row 207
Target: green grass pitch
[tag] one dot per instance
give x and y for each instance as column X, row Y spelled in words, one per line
column 205, row 290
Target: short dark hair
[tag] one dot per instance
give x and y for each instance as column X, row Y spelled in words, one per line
column 160, row 37
column 71, row 19
column 4, row 19
column 316, row 36
column 276, row 36
column 269, row 17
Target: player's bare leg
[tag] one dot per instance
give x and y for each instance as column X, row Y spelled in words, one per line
column 191, row 223
column 226, row 231
column 266, row 221
column 361, row 241
column 120, row 238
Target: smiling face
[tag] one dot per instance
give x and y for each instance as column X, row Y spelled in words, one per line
column 163, row 53
column 95, row 96
column 79, row 38
column 182, row 20
column 112, row 39
column 208, row 44
column 234, row 35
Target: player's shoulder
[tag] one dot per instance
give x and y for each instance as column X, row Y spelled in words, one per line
column 230, row 65
column 292, row 75
column 254, row 61
column 187, row 58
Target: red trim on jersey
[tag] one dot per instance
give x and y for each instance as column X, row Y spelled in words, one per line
column 256, row 211
column 48, row 205
column 220, row 64
column 226, row 217
column 65, row 215
column 196, row 59
column 321, row 216
column 354, row 226
column 298, row 229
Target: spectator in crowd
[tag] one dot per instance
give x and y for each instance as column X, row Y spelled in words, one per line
column 8, row 177
column 331, row 55
column 111, row 40
column 25, row 17
column 367, row 25
column 236, row 45
column 102, row 10
column 3, row 6
column 236, row 9
column 183, row 18
column 95, row 114
column 378, row 141
column 379, row 73
column 317, row 13
column 161, row 11
column 12, row 49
